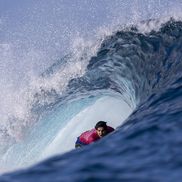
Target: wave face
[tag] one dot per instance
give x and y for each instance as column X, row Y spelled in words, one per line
column 132, row 72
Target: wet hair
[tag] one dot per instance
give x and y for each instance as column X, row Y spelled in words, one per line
column 101, row 124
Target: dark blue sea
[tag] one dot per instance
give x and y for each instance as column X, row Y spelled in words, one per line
column 141, row 69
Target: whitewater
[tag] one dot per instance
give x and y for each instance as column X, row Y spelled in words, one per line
column 126, row 71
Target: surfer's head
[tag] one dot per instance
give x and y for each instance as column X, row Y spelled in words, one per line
column 101, row 128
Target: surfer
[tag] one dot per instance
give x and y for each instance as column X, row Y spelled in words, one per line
column 101, row 129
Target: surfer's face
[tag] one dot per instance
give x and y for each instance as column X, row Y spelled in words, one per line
column 101, row 131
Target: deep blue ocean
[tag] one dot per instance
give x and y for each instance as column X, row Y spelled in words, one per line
column 141, row 69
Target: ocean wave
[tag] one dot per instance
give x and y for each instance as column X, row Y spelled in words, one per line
column 143, row 69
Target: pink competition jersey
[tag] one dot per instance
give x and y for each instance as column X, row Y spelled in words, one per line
column 91, row 136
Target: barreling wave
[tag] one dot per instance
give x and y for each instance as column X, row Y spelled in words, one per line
column 130, row 62
column 144, row 70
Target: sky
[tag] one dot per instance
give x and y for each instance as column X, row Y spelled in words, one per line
column 45, row 24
